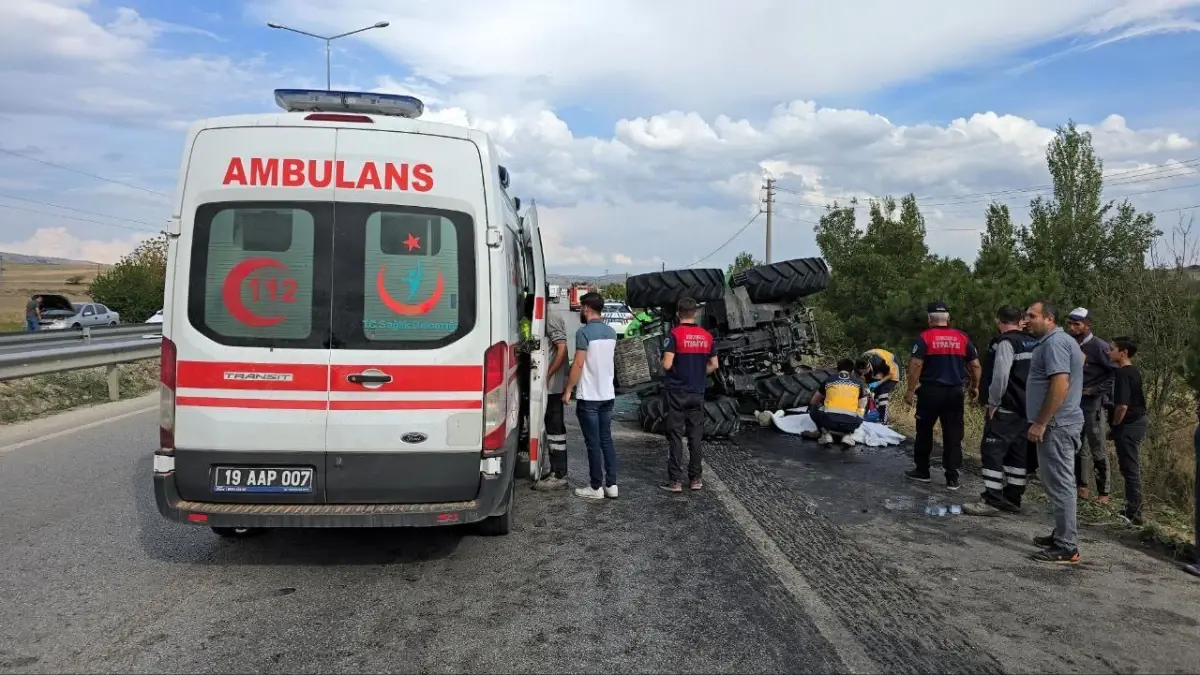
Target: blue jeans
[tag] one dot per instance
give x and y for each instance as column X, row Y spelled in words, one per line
column 31, row 325
column 595, row 419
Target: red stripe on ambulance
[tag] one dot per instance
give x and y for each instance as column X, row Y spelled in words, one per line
column 276, row 172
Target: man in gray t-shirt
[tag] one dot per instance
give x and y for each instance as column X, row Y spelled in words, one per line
column 556, row 383
column 1052, row 399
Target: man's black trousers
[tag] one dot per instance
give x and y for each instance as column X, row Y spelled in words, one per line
column 1004, row 451
column 938, row 402
column 556, row 435
column 685, row 417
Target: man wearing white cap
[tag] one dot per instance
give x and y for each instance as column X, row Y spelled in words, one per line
column 1098, row 370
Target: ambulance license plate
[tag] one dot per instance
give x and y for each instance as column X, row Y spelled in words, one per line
column 287, row 479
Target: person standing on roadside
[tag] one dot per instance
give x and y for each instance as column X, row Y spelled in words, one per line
column 1005, row 446
column 33, row 314
column 1098, row 372
column 593, row 373
column 943, row 360
column 1052, row 407
column 1193, row 568
column 556, row 383
column 689, row 357
column 1129, row 423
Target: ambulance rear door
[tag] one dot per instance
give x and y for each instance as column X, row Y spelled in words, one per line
column 410, row 319
column 531, row 241
column 249, row 316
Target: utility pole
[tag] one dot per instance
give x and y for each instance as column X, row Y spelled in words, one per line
column 770, row 202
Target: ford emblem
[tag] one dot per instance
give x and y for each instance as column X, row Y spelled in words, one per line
column 414, row 437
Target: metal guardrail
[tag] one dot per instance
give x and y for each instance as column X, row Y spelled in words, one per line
column 58, row 359
column 84, row 336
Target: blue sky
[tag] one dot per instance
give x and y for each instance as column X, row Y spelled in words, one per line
column 609, row 114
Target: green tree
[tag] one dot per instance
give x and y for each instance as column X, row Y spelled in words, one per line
column 744, row 261
column 1074, row 236
column 613, row 291
column 135, row 286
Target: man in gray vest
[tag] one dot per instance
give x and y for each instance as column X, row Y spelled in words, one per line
column 1052, row 407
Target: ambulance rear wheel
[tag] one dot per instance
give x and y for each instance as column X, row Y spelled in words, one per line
column 498, row 526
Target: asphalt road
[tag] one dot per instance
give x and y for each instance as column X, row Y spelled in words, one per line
column 789, row 561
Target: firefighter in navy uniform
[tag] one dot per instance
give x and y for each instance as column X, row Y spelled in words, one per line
column 1005, row 447
column 943, row 361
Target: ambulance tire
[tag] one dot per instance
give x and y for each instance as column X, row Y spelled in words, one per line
column 794, row 390
column 783, row 281
column 657, row 289
column 498, row 526
column 721, row 417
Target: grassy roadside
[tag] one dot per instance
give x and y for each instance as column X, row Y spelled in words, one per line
column 34, row 397
column 1165, row 525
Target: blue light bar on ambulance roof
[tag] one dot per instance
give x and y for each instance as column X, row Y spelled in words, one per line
column 320, row 100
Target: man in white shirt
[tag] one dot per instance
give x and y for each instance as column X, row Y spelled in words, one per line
column 592, row 377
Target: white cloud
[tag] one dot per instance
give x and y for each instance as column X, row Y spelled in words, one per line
column 669, row 52
column 59, row 242
column 650, row 189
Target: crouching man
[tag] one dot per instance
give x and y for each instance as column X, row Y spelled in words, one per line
column 838, row 407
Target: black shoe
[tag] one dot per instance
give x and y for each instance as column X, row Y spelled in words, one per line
column 1044, row 542
column 913, row 474
column 1058, row 556
column 952, row 484
column 1007, row 506
column 1133, row 519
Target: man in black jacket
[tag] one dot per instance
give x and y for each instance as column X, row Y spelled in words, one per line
column 1098, row 370
column 1004, row 448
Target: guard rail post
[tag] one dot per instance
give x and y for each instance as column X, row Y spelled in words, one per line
column 114, row 382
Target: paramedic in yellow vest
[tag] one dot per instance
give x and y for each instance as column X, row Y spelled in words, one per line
column 838, row 407
column 883, row 373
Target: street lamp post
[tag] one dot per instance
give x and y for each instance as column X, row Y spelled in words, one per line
column 328, row 72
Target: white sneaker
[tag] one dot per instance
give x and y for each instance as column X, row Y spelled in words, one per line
column 589, row 493
column 826, row 438
column 611, row 492
column 848, row 441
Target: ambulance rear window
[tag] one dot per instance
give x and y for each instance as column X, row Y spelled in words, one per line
column 254, row 273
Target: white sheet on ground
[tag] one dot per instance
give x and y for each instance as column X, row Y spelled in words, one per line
column 870, row 434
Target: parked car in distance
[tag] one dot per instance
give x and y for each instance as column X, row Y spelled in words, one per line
column 618, row 315
column 59, row 313
column 157, row 318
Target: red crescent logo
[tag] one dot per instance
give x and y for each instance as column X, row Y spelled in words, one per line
column 231, row 292
column 399, row 307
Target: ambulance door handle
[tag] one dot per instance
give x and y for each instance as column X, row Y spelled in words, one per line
column 369, row 378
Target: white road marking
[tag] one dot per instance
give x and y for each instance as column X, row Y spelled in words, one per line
column 76, row 429
column 831, row 628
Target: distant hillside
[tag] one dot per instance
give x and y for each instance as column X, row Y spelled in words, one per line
column 40, row 260
column 602, row 280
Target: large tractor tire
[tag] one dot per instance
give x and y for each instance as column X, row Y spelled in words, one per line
column 784, row 392
column 721, row 418
column 657, row 289
column 783, row 281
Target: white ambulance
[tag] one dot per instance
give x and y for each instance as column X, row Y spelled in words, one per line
column 342, row 337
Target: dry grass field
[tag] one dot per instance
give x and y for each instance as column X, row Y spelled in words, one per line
column 18, row 281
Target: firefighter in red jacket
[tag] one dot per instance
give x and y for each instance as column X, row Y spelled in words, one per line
column 943, row 361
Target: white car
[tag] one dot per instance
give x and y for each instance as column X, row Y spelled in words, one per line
column 618, row 315
column 157, row 318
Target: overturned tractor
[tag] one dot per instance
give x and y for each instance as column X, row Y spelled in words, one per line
column 766, row 339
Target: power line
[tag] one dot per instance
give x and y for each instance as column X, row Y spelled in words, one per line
column 83, row 211
column 727, row 241
column 82, row 220
column 82, row 173
column 1126, row 177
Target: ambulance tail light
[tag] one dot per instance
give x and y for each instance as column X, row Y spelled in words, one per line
column 166, row 397
column 495, row 397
